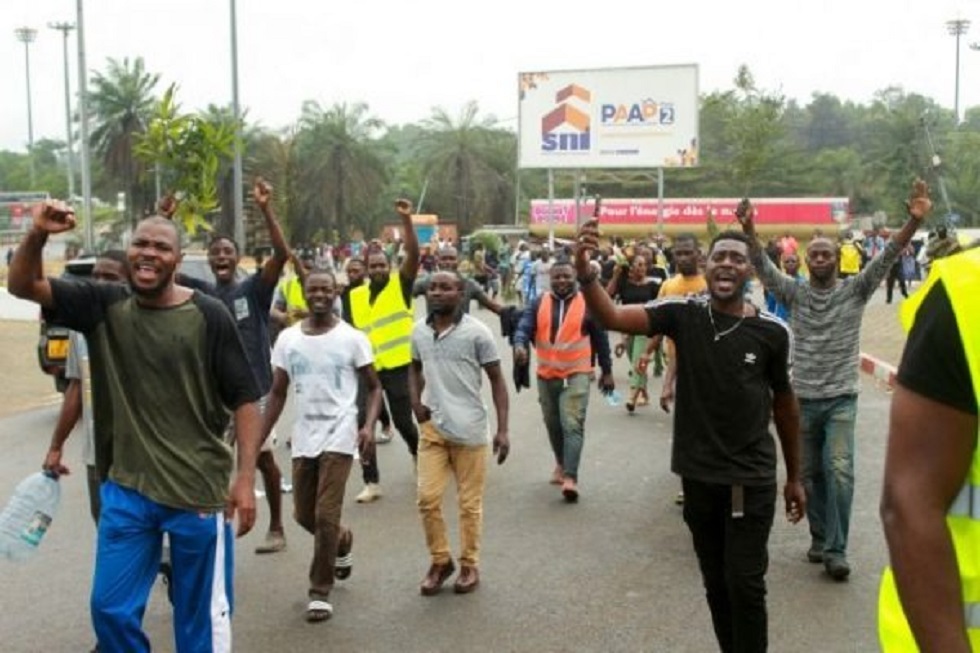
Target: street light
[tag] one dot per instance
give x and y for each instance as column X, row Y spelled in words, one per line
column 238, row 204
column 83, row 146
column 957, row 28
column 64, row 28
column 26, row 35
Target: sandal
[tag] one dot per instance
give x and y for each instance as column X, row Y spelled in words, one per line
column 344, row 563
column 557, row 476
column 641, row 398
column 318, row 611
column 631, row 402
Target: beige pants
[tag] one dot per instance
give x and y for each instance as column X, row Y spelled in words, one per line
column 440, row 459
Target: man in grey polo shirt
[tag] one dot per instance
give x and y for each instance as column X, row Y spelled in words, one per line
column 449, row 348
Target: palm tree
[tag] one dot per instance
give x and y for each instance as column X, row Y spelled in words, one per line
column 340, row 169
column 462, row 161
column 121, row 99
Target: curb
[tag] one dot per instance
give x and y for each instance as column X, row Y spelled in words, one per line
column 880, row 370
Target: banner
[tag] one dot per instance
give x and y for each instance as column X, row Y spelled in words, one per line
column 611, row 118
column 789, row 211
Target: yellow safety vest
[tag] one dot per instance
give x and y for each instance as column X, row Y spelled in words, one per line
column 388, row 323
column 292, row 290
column 959, row 275
column 850, row 258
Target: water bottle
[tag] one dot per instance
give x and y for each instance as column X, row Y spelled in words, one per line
column 614, row 398
column 28, row 514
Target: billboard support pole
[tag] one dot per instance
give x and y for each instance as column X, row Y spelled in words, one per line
column 660, row 201
column 577, row 189
column 551, row 209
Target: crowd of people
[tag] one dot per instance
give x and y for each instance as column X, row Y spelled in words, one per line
column 179, row 385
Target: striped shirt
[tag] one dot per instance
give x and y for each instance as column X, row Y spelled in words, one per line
column 826, row 324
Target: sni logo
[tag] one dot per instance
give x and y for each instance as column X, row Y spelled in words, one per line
column 566, row 128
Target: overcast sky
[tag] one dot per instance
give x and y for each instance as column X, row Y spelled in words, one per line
column 403, row 58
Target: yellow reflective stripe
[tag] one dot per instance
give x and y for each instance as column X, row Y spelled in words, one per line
column 972, row 613
column 391, row 344
column 388, row 319
column 545, row 346
column 967, row 503
column 566, row 366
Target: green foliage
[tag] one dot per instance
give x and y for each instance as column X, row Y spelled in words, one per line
column 491, row 242
column 338, row 168
column 190, row 149
column 121, row 102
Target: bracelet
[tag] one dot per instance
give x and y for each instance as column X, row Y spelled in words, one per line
column 585, row 281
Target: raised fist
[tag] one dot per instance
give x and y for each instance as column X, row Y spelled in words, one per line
column 403, row 207
column 919, row 203
column 167, row 205
column 53, row 217
column 262, row 192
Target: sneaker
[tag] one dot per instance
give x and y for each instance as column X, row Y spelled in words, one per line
column 385, row 436
column 259, row 494
column 815, row 553
column 838, row 569
column 345, row 557
column 371, row 492
column 274, row 543
column 679, row 499
column 285, row 487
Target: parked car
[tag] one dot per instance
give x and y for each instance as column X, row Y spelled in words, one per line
column 52, row 345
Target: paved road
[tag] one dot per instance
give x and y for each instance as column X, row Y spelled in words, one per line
column 613, row 573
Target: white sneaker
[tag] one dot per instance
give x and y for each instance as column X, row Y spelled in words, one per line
column 384, row 437
column 285, row 487
column 371, row 492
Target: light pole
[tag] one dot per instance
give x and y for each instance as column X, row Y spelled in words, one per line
column 957, row 28
column 83, row 133
column 64, row 28
column 239, row 209
column 26, row 35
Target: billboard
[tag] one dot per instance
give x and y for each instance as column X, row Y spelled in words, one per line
column 809, row 211
column 609, row 118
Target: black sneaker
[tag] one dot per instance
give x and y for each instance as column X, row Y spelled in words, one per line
column 815, row 554
column 838, row 569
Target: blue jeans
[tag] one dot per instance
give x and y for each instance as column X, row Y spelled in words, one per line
column 827, row 427
column 563, row 404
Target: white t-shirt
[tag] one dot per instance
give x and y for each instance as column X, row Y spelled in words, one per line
column 322, row 370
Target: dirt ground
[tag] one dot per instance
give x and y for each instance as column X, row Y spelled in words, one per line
column 22, row 383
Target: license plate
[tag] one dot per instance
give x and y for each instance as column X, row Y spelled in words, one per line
column 57, row 349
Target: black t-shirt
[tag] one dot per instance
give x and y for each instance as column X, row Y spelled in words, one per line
column 249, row 302
column 724, row 390
column 934, row 363
column 638, row 293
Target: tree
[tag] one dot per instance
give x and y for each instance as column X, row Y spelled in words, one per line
column 121, row 101
column 462, row 160
column 340, row 170
column 190, row 149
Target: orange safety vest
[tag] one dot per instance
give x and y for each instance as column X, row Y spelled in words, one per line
column 571, row 352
